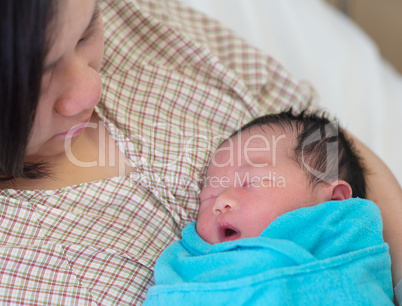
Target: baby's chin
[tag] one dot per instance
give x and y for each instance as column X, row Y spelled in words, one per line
column 206, row 237
column 210, row 240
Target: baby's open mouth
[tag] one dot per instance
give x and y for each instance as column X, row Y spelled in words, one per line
column 227, row 232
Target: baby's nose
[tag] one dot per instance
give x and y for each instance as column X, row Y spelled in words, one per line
column 226, row 201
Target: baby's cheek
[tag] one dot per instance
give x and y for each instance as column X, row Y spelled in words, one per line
column 202, row 221
column 204, row 227
column 202, row 230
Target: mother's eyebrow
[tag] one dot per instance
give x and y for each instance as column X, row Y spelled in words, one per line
column 92, row 23
column 96, row 12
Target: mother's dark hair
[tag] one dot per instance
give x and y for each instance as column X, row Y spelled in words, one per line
column 23, row 47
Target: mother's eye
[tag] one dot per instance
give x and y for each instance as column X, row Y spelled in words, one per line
column 86, row 37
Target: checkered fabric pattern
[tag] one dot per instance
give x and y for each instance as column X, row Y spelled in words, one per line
column 175, row 84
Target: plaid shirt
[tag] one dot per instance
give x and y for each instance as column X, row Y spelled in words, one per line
column 174, row 85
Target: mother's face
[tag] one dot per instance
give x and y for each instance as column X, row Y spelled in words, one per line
column 71, row 84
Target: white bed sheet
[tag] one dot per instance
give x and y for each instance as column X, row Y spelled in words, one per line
column 319, row 44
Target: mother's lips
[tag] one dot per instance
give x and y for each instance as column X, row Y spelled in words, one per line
column 227, row 232
column 76, row 129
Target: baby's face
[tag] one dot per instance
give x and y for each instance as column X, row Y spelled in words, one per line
column 251, row 180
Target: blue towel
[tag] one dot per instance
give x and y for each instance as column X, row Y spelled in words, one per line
column 398, row 293
column 332, row 253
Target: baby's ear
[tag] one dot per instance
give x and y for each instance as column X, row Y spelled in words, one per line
column 341, row 190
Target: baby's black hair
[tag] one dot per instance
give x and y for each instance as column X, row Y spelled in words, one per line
column 322, row 149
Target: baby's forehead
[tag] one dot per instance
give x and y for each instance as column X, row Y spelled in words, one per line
column 262, row 136
column 255, row 144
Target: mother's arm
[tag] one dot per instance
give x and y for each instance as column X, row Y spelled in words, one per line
column 385, row 191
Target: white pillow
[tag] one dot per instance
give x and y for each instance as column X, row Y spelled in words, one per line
column 319, row 44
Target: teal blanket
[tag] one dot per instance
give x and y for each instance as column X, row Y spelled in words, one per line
column 332, row 253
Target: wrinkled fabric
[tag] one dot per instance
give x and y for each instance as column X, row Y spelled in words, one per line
column 398, row 293
column 174, row 84
column 330, row 252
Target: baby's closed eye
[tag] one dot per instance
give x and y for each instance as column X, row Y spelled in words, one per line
column 209, row 193
column 257, row 182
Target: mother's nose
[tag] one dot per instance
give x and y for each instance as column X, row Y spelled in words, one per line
column 81, row 90
column 225, row 202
